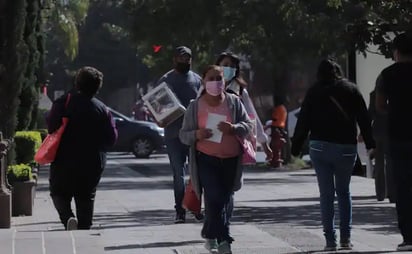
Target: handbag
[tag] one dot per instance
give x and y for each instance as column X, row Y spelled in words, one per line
column 48, row 149
column 190, row 201
column 249, row 152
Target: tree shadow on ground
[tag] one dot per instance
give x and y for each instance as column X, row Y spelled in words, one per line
column 152, row 245
column 142, row 218
column 382, row 219
column 352, row 251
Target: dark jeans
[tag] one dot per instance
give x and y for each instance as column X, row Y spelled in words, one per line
column 178, row 153
column 400, row 153
column 84, row 208
column 383, row 173
column 217, row 179
column 67, row 184
column 333, row 164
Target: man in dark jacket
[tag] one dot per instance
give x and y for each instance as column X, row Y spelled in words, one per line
column 393, row 97
column 81, row 157
column 184, row 83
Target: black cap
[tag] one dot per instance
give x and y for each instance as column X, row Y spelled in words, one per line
column 181, row 50
column 403, row 43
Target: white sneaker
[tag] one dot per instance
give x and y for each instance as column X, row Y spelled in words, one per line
column 224, row 248
column 71, row 224
column 211, row 245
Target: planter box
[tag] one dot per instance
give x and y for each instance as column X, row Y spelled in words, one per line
column 23, row 198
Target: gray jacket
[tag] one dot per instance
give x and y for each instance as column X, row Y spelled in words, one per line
column 243, row 125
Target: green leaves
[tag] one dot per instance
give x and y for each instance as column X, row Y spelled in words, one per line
column 65, row 19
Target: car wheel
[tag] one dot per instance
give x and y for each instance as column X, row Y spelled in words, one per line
column 142, row 147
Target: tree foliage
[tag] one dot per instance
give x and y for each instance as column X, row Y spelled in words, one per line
column 65, row 17
column 13, row 60
column 29, row 95
column 105, row 45
column 275, row 34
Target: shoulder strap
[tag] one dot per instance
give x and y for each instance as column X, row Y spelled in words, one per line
column 339, row 107
column 67, row 100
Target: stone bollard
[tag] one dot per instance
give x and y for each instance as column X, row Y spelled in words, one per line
column 5, row 194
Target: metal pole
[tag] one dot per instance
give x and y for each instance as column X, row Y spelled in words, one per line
column 5, row 194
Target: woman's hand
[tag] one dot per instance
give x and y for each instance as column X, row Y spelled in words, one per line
column 226, row 127
column 203, row 133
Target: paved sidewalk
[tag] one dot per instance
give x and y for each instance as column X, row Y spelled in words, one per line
column 275, row 212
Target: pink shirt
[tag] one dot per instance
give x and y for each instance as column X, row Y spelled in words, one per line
column 229, row 146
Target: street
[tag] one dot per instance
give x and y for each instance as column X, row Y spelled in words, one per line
column 275, row 212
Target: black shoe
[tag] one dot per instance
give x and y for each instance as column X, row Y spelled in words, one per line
column 198, row 216
column 405, row 246
column 180, row 218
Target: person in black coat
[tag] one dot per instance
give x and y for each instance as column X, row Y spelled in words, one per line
column 81, row 156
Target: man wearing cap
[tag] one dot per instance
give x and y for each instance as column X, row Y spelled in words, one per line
column 393, row 98
column 185, row 84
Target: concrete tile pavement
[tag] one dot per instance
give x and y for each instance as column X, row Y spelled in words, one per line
column 275, row 212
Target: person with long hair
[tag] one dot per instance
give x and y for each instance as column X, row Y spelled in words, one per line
column 237, row 85
column 215, row 153
column 331, row 111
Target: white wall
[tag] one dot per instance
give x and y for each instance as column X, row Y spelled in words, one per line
column 368, row 69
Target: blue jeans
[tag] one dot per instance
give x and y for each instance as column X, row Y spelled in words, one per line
column 178, row 153
column 400, row 153
column 217, row 178
column 333, row 164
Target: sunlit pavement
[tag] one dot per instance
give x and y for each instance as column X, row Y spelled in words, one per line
column 275, row 212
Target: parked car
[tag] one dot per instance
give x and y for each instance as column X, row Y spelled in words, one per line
column 139, row 137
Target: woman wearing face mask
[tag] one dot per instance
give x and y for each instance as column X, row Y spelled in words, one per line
column 237, row 85
column 215, row 162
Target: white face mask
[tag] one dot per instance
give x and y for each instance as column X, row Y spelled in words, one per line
column 228, row 72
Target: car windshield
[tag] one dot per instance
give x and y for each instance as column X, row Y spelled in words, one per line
column 119, row 115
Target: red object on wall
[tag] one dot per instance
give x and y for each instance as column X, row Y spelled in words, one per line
column 156, row 48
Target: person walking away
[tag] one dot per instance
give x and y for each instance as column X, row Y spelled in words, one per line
column 80, row 160
column 330, row 112
column 215, row 153
column 382, row 173
column 278, row 133
column 185, row 84
column 393, row 94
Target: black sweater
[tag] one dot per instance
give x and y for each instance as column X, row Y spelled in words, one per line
column 322, row 118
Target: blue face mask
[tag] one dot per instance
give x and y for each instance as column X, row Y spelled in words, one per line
column 228, row 73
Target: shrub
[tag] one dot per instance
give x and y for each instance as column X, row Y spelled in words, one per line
column 19, row 173
column 43, row 133
column 27, row 144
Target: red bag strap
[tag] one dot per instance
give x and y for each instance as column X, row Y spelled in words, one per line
column 67, row 100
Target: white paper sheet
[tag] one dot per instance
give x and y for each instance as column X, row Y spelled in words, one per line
column 212, row 121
